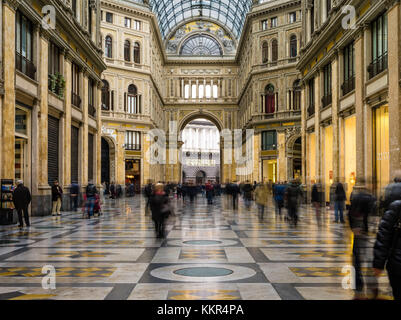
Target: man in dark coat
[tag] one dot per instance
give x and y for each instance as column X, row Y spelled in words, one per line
column 387, row 248
column 234, row 190
column 293, row 194
column 159, row 202
column 362, row 205
column 339, row 202
column 392, row 192
column 148, row 191
column 21, row 200
column 317, row 201
column 247, row 190
column 91, row 192
column 74, row 194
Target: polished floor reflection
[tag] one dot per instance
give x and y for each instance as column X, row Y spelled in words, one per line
column 211, row 252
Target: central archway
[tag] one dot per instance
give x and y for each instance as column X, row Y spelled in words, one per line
column 200, row 152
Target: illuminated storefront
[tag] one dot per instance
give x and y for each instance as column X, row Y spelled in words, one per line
column 349, row 131
column 381, row 148
column 133, row 173
column 328, row 160
column 312, row 157
column 269, row 170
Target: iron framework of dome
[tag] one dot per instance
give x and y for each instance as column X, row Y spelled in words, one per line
column 201, row 45
column 230, row 13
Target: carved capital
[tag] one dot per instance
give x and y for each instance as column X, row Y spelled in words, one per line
column 12, row 4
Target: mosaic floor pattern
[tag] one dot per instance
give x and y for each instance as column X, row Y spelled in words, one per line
column 211, row 252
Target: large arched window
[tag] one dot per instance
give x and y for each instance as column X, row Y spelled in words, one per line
column 201, row 45
column 127, row 50
column 296, row 95
column 265, row 52
column 270, row 99
column 105, row 95
column 108, row 47
column 293, row 46
column 274, row 50
column 134, row 100
column 137, row 52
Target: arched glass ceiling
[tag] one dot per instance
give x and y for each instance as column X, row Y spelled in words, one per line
column 230, row 13
column 201, row 45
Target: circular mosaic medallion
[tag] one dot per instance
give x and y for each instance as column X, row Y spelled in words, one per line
column 202, row 242
column 204, row 273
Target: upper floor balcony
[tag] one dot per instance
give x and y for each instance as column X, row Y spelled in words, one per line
column 122, row 115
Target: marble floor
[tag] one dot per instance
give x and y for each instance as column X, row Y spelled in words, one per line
column 211, row 252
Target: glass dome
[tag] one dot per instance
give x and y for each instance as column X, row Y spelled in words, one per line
column 231, row 13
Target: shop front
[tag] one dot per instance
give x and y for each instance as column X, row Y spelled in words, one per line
column 328, row 161
column 349, row 132
column 269, row 170
column 22, row 154
column 133, row 173
column 312, row 158
column 381, row 162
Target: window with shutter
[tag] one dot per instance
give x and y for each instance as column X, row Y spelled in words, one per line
column 90, row 157
column 74, row 153
column 52, row 149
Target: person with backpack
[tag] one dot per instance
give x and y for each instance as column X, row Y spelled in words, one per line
column 91, row 192
column 293, row 194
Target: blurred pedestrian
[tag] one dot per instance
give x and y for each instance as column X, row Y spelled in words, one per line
column 112, row 190
column 317, row 201
column 339, row 203
column 21, row 200
column 387, row 248
column 278, row 195
column 261, row 194
column 57, row 194
column 74, row 195
column 209, row 192
column 159, row 205
column 293, row 194
column 91, row 192
column 234, row 191
column 362, row 205
column 247, row 191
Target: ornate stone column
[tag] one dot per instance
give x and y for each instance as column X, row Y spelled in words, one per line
column 84, row 128
column 43, row 108
column 318, row 170
column 67, row 112
column 336, row 84
column 394, row 93
column 7, row 146
column 359, row 104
